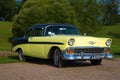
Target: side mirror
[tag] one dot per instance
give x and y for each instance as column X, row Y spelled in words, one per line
column 51, row 34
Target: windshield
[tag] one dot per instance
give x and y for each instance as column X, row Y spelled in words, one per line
column 61, row 30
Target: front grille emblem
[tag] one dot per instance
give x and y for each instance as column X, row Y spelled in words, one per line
column 91, row 42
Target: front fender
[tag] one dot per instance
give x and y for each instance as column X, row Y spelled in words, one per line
column 21, row 46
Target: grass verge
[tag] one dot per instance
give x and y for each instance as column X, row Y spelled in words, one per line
column 9, row 59
column 5, row 34
column 114, row 33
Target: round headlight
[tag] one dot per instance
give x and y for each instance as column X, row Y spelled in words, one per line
column 108, row 42
column 71, row 41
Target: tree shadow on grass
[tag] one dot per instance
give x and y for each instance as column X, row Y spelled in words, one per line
column 13, row 57
column 115, row 35
column 9, row 59
column 117, row 54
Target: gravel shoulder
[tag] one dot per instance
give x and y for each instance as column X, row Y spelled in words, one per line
column 44, row 70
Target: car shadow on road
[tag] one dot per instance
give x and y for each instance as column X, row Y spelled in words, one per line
column 77, row 64
column 49, row 62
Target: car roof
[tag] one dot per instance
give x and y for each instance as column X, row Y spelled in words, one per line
column 46, row 25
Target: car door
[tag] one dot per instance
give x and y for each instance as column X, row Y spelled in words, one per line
column 36, row 47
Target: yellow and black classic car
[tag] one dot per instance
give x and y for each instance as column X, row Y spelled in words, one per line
column 61, row 42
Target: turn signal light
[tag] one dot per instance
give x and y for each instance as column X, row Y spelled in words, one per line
column 107, row 50
column 70, row 52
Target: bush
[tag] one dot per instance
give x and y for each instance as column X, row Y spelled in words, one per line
column 42, row 11
column 88, row 15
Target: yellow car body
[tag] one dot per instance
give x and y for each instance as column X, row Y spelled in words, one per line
column 71, row 47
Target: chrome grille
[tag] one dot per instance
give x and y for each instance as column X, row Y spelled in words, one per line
column 89, row 50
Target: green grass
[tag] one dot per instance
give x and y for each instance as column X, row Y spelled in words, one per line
column 114, row 33
column 9, row 59
column 5, row 34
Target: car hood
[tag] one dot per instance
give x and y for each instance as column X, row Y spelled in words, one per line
column 91, row 41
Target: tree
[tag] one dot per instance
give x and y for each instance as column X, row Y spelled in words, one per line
column 7, row 9
column 109, row 9
column 19, row 4
column 88, row 15
column 42, row 11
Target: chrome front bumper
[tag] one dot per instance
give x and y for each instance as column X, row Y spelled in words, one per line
column 87, row 56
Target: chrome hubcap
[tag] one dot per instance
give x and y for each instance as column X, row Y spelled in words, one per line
column 21, row 56
column 56, row 57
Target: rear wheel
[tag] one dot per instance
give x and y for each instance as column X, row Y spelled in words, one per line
column 57, row 59
column 96, row 61
column 21, row 55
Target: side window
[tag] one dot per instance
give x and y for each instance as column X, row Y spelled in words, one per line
column 38, row 32
column 29, row 33
column 35, row 32
column 48, row 31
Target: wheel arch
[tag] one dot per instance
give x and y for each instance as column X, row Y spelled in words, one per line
column 51, row 52
column 17, row 49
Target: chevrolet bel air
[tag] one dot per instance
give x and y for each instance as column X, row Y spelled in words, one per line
column 61, row 42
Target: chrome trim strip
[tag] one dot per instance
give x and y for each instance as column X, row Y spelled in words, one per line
column 85, row 47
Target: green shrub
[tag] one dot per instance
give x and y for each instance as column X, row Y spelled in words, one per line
column 42, row 11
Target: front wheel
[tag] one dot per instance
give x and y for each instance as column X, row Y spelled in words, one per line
column 57, row 59
column 96, row 61
column 21, row 55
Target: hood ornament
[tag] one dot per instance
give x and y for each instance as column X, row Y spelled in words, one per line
column 91, row 42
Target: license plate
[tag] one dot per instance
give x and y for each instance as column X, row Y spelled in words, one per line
column 95, row 57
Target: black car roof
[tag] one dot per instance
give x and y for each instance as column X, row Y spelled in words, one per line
column 46, row 25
